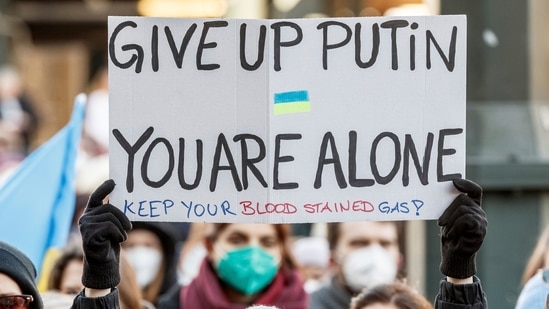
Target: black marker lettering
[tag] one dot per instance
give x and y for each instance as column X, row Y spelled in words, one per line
column 394, row 25
column 383, row 180
column 353, row 181
column 181, row 166
column 410, row 150
column 358, row 46
column 202, row 45
column 279, row 159
column 145, row 164
column 179, row 54
column 131, row 151
column 249, row 163
column 260, row 48
column 325, row 46
column 278, row 37
column 138, row 49
column 222, row 146
column 322, row 160
column 445, row 152
column 449, row 61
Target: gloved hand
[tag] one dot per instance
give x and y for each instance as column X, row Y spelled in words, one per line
column 463, row 228
column 103, row 228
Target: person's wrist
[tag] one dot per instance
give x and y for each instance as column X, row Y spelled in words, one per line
column 93, row 293
column 468, row 280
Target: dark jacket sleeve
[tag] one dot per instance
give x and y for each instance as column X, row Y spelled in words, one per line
column 461, row 296
column 109, row 301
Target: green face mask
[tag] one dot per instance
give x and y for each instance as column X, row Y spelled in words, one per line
column 248, row 269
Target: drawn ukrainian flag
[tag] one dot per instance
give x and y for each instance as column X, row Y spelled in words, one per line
column 291, row 102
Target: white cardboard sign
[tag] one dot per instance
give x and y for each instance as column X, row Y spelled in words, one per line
column 283, row 121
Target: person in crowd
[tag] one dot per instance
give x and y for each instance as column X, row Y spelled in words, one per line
column 66, row 274
column 367, row 254
column 17, row 114
column 313, row 256
column 271, row 279
column 66, row 279
column 364, row 254
column 396, row 295
column 130, row 291
column 96, row 124
column 535, row 280
column 246, row 264
column 227, row 278
column 150, row 249
column 192, row 253
column 17, row 280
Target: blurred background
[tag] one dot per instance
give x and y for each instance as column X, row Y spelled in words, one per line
column 59, row 48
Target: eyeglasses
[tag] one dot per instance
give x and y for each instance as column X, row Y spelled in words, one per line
column 15, row 301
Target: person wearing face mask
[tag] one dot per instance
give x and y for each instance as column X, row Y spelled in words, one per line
column 366, row 254
column 313, row 256
column 246, row 264
column 249, row 264
column 150, row 250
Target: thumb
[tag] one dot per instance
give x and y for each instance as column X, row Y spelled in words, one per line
column 97, row 197
column 473, row 190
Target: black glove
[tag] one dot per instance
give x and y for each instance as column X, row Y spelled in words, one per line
column 463, row 228
column 103, row 228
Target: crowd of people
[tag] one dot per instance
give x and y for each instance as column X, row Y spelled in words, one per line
column 115, row 263
column 120, row 264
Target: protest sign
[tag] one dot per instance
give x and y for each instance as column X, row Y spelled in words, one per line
column 281, row 121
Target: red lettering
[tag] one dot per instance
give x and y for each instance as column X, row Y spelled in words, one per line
column 251, row 208
column 354, row 206
column 363, row 206
column 246, row 208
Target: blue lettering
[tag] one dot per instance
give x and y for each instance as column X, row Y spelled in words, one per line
column 201, row 213
column 153, row 208
column 188, row 208
column 200, row 210
column 167, row 204
column 141, row 208
column 226, row 207
column 215, row 210
column 127, row 207
column 384, row 207
column 418, row 204
column 404, row 208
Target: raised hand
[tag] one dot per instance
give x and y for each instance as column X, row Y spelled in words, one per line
column 103, row 228
column 463, row 228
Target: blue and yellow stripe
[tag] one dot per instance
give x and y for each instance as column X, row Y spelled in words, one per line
column 291, row 102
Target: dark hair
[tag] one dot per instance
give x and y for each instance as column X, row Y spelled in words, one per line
column 399, row 294
column 283, row 232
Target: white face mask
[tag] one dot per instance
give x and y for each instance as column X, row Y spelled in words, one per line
column 368, row 267
column 146, row 262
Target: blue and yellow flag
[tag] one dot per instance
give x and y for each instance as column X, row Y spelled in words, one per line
column 37, row 201
column 291, row 102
